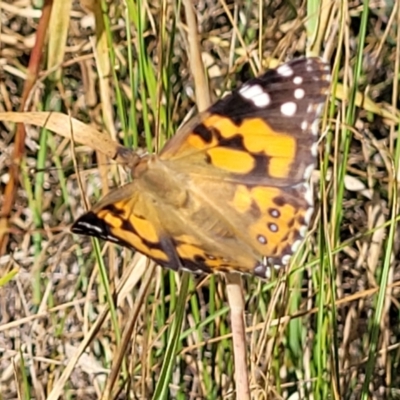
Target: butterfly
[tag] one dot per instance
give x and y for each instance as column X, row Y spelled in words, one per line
column 230, row 191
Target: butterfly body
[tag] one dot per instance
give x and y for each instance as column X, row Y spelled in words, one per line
column 230, row 191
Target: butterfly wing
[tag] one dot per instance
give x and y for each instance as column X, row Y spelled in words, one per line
column 230, row 191
column 125, row 216
column 169, row 223
column 251, row 156
column 267, row 130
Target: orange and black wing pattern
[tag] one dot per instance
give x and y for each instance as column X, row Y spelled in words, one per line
column 230, row 191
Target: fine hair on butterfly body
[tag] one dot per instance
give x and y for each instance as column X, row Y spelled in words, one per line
column 230, row 191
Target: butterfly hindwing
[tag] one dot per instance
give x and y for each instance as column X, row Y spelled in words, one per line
column 136, row 216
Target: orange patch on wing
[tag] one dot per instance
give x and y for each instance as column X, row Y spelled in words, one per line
column 231, row 160
column 197, row 142
column 224, row 125
column 136, row 242
column 143, row 227
column 273, row 239
column 242, row 199
column 115, row 222
column 189, row 251
column 280, row 168
column 258, row 137
column 264, row 196
column 278, row 241
column 279, row 147
column 279, row 232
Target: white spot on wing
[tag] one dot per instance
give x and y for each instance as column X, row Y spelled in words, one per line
column 296, row 245
column 309, row 198
column 307, row 218
column 319, row 108
column 299, row 93
column 308, row 171
column 91, row 227
column 193, row 271
column 289, row 108
column 303, row 231
column 285, row 70
column 256, row 94
column 314, row 149
column 285, row 259
column 297, row 80
column 267, row 269
column 314, row 127
column 262, row 269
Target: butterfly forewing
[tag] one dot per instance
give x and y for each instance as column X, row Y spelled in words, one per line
column 266, row 129
column 231, row 190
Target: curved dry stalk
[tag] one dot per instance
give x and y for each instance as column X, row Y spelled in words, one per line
column 76, row 131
